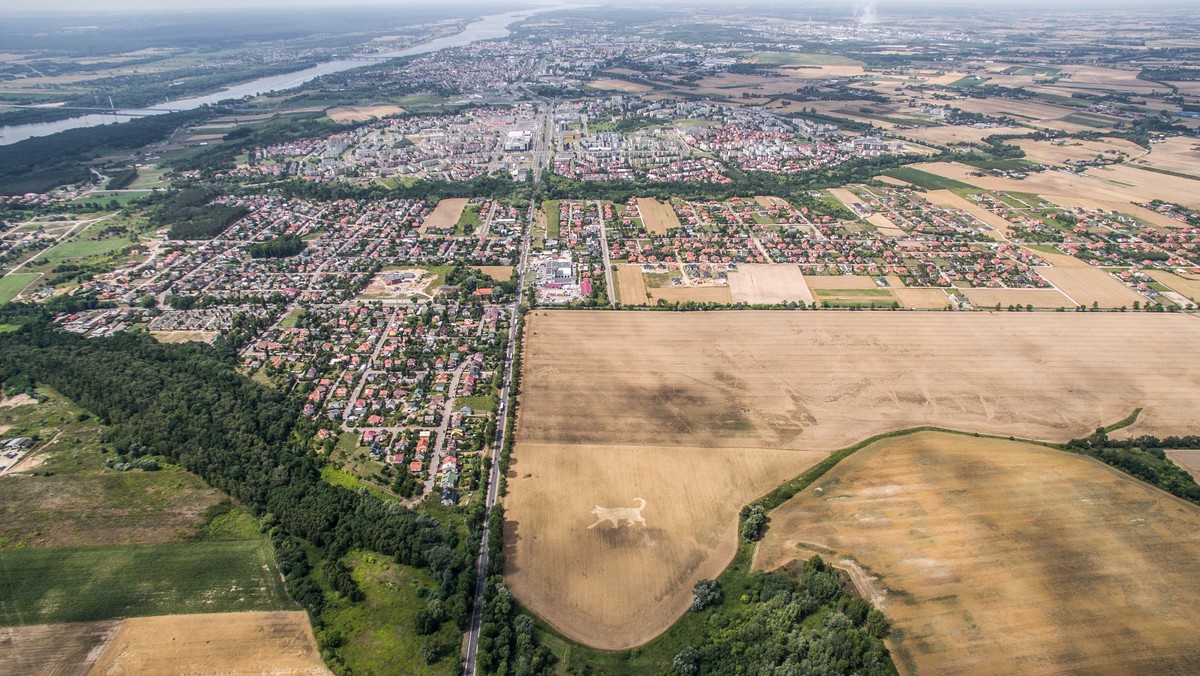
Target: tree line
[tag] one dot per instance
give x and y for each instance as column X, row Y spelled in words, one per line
column 189, row 405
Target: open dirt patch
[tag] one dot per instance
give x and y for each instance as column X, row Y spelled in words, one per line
column 18, row 400
column 1003, row 557
column 404, row 283
column 768, row 284
column 185, row 336
column 362, row 113
column 622, row 405
column 54, row 648
column 221, row 643
column 613, row 84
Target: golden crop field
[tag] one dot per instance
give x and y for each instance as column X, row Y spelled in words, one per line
column 752, row 283
column 699, row 413
column 258, row 643
column 446, row 214
column 998, row 557
column 631, row 285
column 658, row 218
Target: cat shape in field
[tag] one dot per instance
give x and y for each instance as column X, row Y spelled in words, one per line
column 615, row 515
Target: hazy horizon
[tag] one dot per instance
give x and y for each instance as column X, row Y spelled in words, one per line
column 195, row 6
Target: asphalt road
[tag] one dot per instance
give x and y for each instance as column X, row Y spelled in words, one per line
column 469, row 660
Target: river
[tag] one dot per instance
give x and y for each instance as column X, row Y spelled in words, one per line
column 485, row 28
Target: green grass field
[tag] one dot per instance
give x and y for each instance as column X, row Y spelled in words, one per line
column 1088, row 121
column 925, row 179
column 853, row 293
column 1003, row 164
column 11, row 285
column 469, row 222
column 969, row 81
column 40, row 586
column 86, row 248
column 550, row 207
column 377, row 635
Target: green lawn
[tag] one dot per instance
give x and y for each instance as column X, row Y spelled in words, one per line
column 925, row 179
column 40, row 586
column 479, row 404
column 11, row 285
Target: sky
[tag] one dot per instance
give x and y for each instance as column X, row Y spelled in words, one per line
column 159, row 6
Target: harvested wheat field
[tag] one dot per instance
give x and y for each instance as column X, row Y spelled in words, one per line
column 1039, row 298
column 767, row 201
column 1001, row 228
column 698, row 413
column 920, row 298
column 616, row 585
column 54, row 648
column 1001, row 557
column 1189, row 460
column 631, row 285
column 500, row 273
column 768, row 284
column 886, row 226
column 815, row 282
column 658, row 218
column 1180, row 154
column 1189, row 287
column 959, row 134
column 221, row 643
column 1086, row 285
column 446, row 214
column 696, row 294
column 1116, row 183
